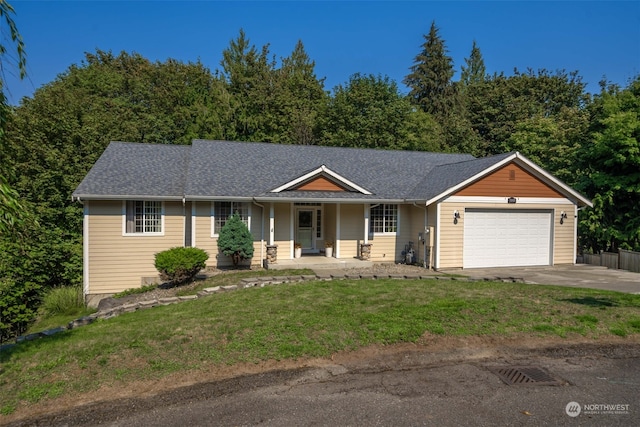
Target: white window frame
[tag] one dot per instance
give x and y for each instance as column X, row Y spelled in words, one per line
column 142, row 233
column 386, row 222
column 246, row 206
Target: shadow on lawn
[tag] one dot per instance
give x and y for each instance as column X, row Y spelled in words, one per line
column 592, row 301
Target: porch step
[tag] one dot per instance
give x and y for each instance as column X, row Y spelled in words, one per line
column 319, row 263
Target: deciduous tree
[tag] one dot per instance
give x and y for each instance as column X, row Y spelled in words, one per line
column 610, row 170
column 369, row 112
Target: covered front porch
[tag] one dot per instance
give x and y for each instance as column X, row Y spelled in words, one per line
column 304, row 232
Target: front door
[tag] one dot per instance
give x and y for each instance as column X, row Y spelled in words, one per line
column 305, row 234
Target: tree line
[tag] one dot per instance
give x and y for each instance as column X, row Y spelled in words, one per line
column 51, row 140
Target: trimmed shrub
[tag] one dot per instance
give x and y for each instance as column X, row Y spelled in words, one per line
column 235, row 240
column 179, row 265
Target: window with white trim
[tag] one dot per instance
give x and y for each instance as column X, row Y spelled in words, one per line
column 143, row 217
column 223, row 210
column 383, row 219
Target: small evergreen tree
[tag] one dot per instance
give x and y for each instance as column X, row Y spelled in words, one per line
column 475, row 70
column 235, row 240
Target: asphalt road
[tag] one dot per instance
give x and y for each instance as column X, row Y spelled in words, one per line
column 411, row 387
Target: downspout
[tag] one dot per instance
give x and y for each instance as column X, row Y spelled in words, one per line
column 85, row 247
column 424, row 237
column 575, row 233
column 184, row 221
column 261, row 230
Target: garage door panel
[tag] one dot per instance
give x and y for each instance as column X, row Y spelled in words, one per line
column 502, row 238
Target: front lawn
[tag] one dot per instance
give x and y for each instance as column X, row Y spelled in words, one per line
column 309, row 319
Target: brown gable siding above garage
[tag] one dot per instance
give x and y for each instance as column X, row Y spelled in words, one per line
column 509, row 181
column 320, row 183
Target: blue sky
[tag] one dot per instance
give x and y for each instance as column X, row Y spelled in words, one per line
column 595, row 38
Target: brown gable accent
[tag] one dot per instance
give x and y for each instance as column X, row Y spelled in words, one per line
column 509, row 181
column 319, row 183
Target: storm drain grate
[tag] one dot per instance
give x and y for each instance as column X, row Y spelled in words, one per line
column 525, row 375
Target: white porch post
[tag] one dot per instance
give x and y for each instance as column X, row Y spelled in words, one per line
column 337, row 230
column 292, row 232
column 271, row 223
column 437, row 242
column 366, row 223
column 575, row 233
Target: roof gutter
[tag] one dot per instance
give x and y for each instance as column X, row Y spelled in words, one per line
column 217, row 197
column 325, row 200
column 124, row 197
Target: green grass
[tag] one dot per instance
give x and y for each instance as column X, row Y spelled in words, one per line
column 65, row 300
column 60, row 306
column 310, row 319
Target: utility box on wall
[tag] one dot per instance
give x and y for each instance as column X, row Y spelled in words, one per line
column 427, row 238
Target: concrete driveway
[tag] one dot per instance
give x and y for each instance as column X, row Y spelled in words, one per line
column 576, row 276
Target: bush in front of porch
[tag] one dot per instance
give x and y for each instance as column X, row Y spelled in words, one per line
column 235, row 240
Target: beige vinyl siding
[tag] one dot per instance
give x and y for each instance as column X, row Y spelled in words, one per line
column 417, row 218
column 282, row 230
column 432, row 220
column 330, row 223
column 351, row 230
column 563, row 236
column 452, row 235
column 389, row 247
column 383, row 248
column 117, row 262
column 205, row 241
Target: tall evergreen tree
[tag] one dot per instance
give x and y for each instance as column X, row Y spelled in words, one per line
column 475, row 70
column 301, row 98
column 429, row 82
column 250, row 77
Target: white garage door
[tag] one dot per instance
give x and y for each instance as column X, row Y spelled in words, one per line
column 503, row 238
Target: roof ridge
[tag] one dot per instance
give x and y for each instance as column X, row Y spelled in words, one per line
column 331, row 147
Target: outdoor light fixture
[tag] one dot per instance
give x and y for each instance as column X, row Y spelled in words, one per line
column 563, row 216
column 456, row 217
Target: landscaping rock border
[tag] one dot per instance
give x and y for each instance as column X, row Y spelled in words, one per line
column 262, row 281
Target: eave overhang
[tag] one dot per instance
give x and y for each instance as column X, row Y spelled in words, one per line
column 322, row 171
column 521, row 160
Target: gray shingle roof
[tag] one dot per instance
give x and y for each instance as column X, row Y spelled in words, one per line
column 236, row 169
column 223, row 169
column 141, row 170
column 443, row 177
